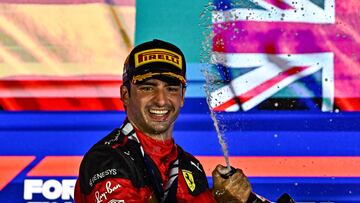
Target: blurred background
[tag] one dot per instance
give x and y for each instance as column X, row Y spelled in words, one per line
column 281, row 76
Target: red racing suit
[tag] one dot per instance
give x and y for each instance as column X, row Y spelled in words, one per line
column 128, row 166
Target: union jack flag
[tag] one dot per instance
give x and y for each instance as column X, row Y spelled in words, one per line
column 286, row 54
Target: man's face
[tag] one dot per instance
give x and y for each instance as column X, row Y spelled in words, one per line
column 153, row 105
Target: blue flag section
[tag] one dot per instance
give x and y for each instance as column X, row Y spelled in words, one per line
column 313, row 157
column 304, row 93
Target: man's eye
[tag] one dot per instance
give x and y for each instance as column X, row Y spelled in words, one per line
column 173, row 89
column 146, row 88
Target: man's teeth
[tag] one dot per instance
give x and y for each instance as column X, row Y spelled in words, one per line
column 158, row 112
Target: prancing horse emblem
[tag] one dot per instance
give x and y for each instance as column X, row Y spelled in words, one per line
column 189, row 178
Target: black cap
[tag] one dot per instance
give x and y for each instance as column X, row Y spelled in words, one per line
column 155, row 58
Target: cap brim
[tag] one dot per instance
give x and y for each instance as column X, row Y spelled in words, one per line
column 169, row 75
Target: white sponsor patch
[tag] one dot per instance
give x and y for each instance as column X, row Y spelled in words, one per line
column 109, row 189
column 101, row 175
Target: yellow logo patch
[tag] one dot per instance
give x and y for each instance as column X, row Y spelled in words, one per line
column 189, row 179
column 158, row 55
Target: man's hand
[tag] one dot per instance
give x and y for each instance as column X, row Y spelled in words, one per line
column 236, row 188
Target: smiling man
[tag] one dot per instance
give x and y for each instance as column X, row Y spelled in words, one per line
column 140, row 162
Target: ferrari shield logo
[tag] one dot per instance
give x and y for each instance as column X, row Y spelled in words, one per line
column 189, row 179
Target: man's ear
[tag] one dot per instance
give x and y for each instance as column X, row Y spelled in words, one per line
column 124, row 94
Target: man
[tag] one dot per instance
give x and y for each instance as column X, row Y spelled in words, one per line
column 140, row 162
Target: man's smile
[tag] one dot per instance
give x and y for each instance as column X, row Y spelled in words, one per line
column 159, row 112
column 159, row 115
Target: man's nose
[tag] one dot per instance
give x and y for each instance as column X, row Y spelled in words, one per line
column 160, row 97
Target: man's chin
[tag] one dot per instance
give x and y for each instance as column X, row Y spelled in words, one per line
column 160, row 130
column 160, row 127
